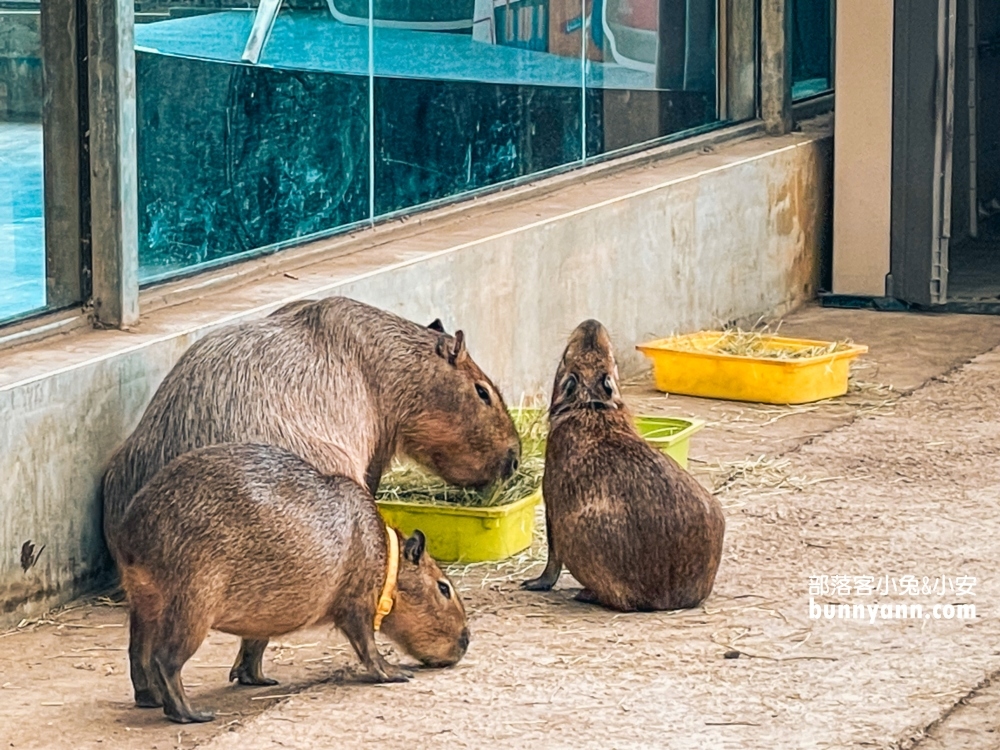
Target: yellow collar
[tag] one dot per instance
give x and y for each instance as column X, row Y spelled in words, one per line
column 388, row 595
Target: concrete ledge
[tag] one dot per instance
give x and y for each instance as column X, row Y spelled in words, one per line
column 670, row 246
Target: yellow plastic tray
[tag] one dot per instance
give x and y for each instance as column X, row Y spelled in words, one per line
column 726, row 376
column 459, row 534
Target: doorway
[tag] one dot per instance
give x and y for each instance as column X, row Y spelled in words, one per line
column 974, row 261
column 945, row 235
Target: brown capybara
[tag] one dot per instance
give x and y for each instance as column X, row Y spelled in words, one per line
column 252, row 540
column 630, row 524
column 341, row 384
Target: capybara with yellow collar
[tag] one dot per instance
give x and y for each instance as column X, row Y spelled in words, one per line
column 252, row 540
column 341, row 384
column 631, row 525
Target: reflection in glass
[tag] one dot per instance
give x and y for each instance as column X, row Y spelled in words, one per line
column 812, row 48
column 472, row 93
column 22, row 239
column 343, row 119
column 651, row 70
column 233, row 157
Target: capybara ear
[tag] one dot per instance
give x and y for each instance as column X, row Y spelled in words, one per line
column 437, row 325
column 458, row 353
column 454, row 350
column 413, row 550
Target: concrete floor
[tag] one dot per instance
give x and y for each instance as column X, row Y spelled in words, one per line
column 22, row 232
column 898, row 477
column 974, row 270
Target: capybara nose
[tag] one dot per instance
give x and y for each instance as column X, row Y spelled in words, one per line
column 463, row 640
column 510, row 463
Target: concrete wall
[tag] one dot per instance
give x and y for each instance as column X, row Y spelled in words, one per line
column 718, row 237
column 862, row 172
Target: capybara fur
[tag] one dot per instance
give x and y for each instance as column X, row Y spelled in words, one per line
column 635, row 529
column 252, row 540
column 341, row 384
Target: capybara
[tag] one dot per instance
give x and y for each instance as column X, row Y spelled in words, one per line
column 631, row 525
column 341, row 384
column 252, row 540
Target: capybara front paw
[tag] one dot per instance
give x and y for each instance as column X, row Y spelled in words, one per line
column 392, row 673
column 191, row 717
column 538, row 584
column 246, row 677
column 147, row 698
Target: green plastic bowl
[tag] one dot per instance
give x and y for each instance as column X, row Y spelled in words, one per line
column 671, row 435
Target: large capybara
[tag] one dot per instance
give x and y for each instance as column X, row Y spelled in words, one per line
column 631, row 525
column 341, row 384
column 252, row 540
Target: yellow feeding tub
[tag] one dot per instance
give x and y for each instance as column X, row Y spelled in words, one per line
column 457, row 533
column 757, row 367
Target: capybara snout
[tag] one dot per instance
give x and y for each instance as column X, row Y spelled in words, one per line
column 264, row 544
column 587, row 374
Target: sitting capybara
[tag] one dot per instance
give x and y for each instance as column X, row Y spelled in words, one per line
column 252, row 540
column 341, row 384
column 633, row 527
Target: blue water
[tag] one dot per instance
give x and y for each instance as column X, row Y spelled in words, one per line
column 22, row 233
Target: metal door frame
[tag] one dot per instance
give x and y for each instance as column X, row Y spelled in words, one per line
column 922, row 126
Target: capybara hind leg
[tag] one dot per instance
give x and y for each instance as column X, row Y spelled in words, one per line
column 587, row 597
column 553, row 568
column 249, row 666
column 142, row 633
column 179, row 639
column 357, row 626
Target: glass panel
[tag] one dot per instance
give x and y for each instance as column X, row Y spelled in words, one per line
column 651, row 70
column 812, row 47
column 22, row 239
column 235, row 158
column 470, row 93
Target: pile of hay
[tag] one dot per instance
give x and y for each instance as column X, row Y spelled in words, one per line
column 407, row 482
column 755, row 343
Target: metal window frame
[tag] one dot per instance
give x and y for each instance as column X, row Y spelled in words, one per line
column 66, row 267
column 776, row 66
column 88, row 172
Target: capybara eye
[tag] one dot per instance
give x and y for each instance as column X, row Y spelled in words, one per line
column 445, row 589
column 609, row 387
column 569, row 385
column 483, row 394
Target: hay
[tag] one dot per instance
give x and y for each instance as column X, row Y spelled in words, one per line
column 758, row 477
column 407, row 482
column 756, row 343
